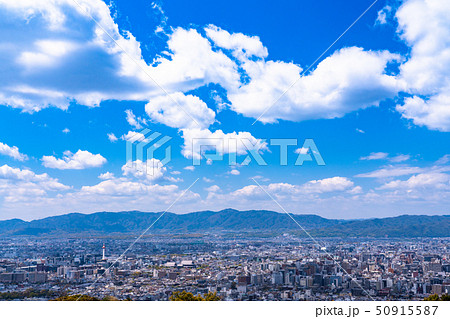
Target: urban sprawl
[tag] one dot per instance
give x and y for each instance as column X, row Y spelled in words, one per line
column 234, row 268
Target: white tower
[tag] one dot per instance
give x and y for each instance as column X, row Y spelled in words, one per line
column 104, row 252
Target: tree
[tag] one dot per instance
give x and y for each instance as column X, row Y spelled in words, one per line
column 189, row 296
column 76, row 298
column 435, row 297
column 84, row 298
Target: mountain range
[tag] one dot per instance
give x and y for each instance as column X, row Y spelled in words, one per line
column 225, row 221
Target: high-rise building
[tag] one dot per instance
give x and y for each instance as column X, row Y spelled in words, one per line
column 104, row 252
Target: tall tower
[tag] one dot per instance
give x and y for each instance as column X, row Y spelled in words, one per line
column 104, row 252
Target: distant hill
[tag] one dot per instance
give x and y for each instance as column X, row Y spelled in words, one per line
column 228, row 220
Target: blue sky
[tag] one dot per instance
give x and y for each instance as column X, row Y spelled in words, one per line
column 376, row 105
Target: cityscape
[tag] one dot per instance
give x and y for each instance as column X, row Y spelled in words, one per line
column 232, row 267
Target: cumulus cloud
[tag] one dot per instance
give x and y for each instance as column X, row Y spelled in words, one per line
column 35, row 68
column 180, row 111
column 242, row 46
column 348, row 80
column 123, row 187
column 23, row 184
column 197, row 141
column 327, row 185
column 332, row 184
column 425, row 27
column 107, row 175
column 12, row 151
column 193, row 63
column 26, row 175
column 152, row 169
column 213, row 189
column 425, row 180
column 79, row 160
column 48, row 48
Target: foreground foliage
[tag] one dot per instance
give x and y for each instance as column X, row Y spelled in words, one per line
column 189, row 296
column 27, row 294
column 435, row 297
column 84, row 298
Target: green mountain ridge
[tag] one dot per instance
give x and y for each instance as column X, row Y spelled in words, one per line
column 228, row 220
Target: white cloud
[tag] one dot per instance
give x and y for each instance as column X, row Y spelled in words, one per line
column 348, row 80
column 48, row 53
column 392, row 171
column 356, row 190
column 12, row 151
column 123, row 187
column 248, row 191
column 132, row 137
column 327, row 185
column 23, row 185
column 66, row 131
column 235, row 172
column 197, row 141
column 385, row 156
column 399, row 158
column 10, row 173
column 45, row 49
column 242, row 46
column 106, row 176
column 112, row 137
column 375, row 156
column 213, row 189
column 432, row 112
column 151, row 170
column 50, row 46
column 443, row 160
column 192, row 63
column 332, row 184
column 190, row 168
column 53, row 39
column 432, row 179
column 383, row 14
column 180, row 111
column 79, row 160
column 260, row 178
column 425, row 27
column 135, row 121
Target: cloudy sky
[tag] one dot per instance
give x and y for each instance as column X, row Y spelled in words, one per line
column 368, row 82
